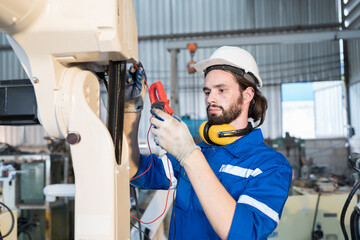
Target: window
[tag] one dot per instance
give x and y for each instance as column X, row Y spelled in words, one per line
column 313, row 109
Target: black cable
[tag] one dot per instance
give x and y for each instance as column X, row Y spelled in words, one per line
column 24, row 225
column 346, row 205
column 316, row 211
column 357, row 170
column 357, row 233
column 140, row 230
column 270, row 64
column 12, row 221
column 354, row 221
column 137, row 210
column 352, row 224
column 301, row 66
column 27, row 234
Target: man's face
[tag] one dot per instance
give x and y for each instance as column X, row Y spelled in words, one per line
column 222, row 96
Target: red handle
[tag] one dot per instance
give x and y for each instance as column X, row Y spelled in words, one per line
column 157, row 93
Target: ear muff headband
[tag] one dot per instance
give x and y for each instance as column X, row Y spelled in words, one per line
column 222, row 134
column 236, row 132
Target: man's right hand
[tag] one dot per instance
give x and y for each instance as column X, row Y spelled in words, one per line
column 135, row 89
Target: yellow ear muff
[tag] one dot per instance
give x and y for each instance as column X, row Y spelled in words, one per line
column 210, row 133
column 214, row 136
column 204, row 132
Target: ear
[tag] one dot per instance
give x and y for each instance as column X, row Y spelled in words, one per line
column 248, row 95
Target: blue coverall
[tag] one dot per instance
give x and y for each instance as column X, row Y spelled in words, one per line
column 254, row 174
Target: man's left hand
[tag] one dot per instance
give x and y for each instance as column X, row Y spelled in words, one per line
column 135, row 89
column 172, row 135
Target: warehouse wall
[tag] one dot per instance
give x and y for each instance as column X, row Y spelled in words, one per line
column 11, row 69
column 330, row 110
column 160, row 20
column 354, row 75
column 158, row 17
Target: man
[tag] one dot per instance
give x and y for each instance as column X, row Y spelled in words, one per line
column 232, row 191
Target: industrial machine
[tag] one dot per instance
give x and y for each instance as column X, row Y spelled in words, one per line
column 23, row 177
column 293, row 149
column 354, row 160
column 66, row 48
column 28, row 174
column 313, row 215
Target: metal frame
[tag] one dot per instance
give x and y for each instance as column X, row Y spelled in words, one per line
column 314, row 35
column 32, row 158
column 266, row 38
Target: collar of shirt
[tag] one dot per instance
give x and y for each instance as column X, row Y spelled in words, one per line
column 243, row 144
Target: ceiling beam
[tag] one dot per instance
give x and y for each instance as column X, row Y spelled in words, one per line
column 268, row 38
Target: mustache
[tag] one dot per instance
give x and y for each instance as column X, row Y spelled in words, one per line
column 214, row 106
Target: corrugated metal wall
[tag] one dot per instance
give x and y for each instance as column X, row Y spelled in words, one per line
column 327, row 106
column 10, row 69
column 278, row 63
column 158, row 17
column 319, row 61
column 23, row 135
column 354, row 69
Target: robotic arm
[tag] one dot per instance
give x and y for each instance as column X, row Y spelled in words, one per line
column 55, row 42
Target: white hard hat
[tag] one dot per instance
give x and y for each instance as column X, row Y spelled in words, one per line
column 233, row 57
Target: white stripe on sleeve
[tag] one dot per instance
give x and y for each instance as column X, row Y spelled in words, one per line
column 239, row 171
column 260, row 206
column 164, row 159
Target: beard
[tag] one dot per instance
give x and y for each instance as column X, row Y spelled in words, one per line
column 227, row 116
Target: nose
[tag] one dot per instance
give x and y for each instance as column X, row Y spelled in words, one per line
column 211, row 98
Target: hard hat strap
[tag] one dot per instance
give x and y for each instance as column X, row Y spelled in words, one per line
column 249, row 76
column 235, row 70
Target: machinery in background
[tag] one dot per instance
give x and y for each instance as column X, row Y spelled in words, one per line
column 354, row 161
column 321, row 211
column 312, row 159
column 318, row 193
column 17, row 110
column 192, row 47
column 294, row 151
column 22, row 190
column 311, row 215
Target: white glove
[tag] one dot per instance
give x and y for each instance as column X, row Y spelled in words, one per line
column 172, row 135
